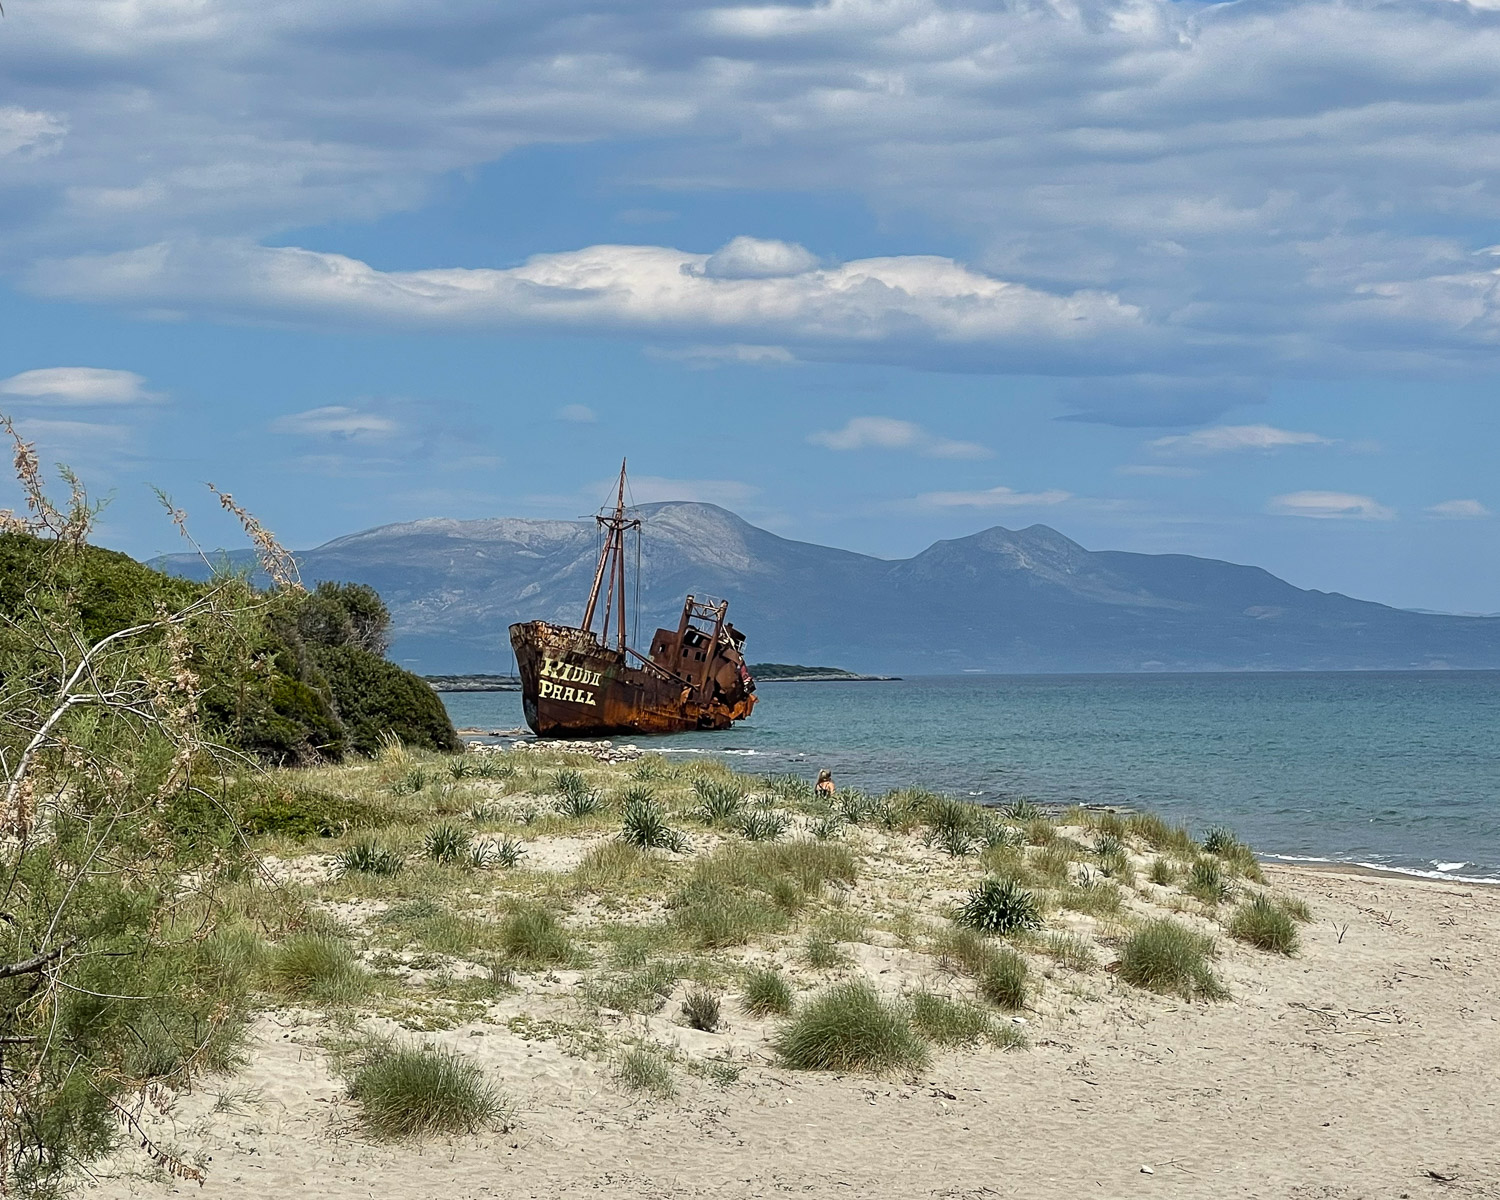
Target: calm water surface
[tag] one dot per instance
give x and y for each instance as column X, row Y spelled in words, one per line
column 1398, row 769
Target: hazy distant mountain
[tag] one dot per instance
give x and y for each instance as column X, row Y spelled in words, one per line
column 999, row 600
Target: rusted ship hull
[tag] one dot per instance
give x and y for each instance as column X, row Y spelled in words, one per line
column 574, row 686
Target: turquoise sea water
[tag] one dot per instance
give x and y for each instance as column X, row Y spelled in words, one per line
column 1398, row 769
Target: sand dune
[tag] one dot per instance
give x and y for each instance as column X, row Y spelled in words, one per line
column 1365, row 1067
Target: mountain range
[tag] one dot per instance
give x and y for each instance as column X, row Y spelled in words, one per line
column 1001, row 600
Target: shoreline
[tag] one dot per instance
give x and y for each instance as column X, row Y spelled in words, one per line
column 1365, row 871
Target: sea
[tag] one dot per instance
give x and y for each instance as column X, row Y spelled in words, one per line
column 1393, row 770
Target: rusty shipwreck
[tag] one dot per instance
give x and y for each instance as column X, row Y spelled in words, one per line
column 574, row 683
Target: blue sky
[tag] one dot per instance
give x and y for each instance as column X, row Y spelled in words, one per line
column 1219, row 280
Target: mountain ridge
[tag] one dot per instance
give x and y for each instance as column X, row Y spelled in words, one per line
column 1028, row 600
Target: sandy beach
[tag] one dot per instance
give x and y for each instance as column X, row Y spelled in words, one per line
column 1364, row 1066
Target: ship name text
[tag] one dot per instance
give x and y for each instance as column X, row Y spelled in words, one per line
column 557, row 675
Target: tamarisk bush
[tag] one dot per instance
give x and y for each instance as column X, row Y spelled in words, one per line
column 116, row 839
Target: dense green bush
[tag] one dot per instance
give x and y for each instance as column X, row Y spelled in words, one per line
column 375, row 698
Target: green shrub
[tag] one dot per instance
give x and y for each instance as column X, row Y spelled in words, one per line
column 411, row 1091
column 761, row 825
column 374, row 697
column 1021, row 809
column 948, row 1022
column 1206, row 881
column 999, row 906
column 848, row 1027
column 575, row 798
column 1265, row 925
column 643, row 824
column 1165, row 956
column 825, row 827
column 700, row 1009
column 1162, row 871
column 766, row 993
column 533, row 937
column 646, row 1069
column 306, row 812
column 367, row 857
column 791, row 790
column 1004, row 980
column 316, row 968
column 952, row 841
column 719, row 800
column 448, row 844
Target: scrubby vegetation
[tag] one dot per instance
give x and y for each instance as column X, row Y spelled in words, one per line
column 849, row 1027
column 1166, row 956
column 406, row 1091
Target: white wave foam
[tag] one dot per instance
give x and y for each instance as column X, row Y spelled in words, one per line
column 1414, row 872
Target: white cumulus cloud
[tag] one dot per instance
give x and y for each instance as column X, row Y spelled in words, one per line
column 335, row 420
column 888, row 433
column 78, row 386
column 1224, row 439
column 995, row 497
column 1330, row 506
column 754, row 258
column 1459, row 509
column 913, row 308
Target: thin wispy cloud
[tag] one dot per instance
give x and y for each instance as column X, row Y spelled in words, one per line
column 577, row 414
column 1158, row 471
column 1330, row 506
column 995, row 497
column 335, row 421
column 889, row 433
column 1227, row 439
column 79, row 387
column 1460, row 510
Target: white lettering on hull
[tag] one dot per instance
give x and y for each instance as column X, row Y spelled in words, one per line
column 556, row 677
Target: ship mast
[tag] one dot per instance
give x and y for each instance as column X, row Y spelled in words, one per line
column 612, row 563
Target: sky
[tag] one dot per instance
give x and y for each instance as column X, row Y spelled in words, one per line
column 1168, row 277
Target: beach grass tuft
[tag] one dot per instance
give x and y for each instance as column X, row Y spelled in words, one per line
column 1004, row 980
column 317, row 968
column 533, row 937
column 646, row 1069
column 1265, row 925
column 411, row 1091
column 849, row 1027
column 1207, row 881
column 948, row 1022
column 643, row 824
column 766, row 993
column 367, row 857
column 448, row 844
column 1166, row 956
